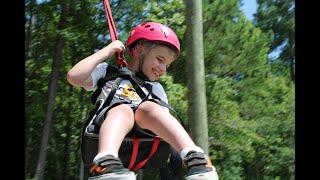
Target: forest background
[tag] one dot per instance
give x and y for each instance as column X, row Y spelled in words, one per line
column 250, row 94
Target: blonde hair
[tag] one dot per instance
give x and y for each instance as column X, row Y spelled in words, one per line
column 150, row 44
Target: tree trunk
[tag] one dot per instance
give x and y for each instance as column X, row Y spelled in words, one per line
column 195, row 73
column 67, row 150
column 293, row 72
column 31, row 22
column 65, row 172
column 51, row 97
column 81, row 171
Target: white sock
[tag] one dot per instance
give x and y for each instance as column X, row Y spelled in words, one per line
column 99, row 155
column 185, row 151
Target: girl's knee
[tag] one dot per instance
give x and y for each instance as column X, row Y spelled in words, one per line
column 148, row 108
column 119, row 119
column 121, row 111
column 146, row 111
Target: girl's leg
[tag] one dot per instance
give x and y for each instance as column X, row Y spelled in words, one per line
column 118, row 123
column 106, row 164
column 154, row 117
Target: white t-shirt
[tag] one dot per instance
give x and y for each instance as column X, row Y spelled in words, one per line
column 125, row 90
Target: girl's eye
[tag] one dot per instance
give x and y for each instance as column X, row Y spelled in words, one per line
column 161, row 61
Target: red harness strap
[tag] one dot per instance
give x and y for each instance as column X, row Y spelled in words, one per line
column 136, row 142
column 121, row 61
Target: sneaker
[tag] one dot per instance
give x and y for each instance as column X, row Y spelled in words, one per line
column 111, row 168
column 199, row 167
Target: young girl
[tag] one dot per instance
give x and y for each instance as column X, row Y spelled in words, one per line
column 152, row 47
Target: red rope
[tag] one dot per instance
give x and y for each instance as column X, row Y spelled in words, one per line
column 121, row 61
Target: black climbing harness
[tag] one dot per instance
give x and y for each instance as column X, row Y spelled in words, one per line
column 137, row 136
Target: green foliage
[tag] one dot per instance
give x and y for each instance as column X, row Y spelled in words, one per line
column 277, row 18
column 177, row 96
column 250, row 112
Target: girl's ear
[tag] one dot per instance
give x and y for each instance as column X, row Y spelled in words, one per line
column 136, row 50
column 140, row 46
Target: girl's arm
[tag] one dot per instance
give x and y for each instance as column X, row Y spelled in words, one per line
column 80, row 74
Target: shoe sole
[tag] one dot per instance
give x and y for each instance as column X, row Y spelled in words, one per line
column 115, row 176
column 211, row 175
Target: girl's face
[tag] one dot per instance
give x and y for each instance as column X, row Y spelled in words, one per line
column 157, row 61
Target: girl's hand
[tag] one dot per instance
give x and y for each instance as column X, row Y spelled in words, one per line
column 80, row 74
column 115, row 47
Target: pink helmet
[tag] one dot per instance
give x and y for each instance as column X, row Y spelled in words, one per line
column 153, row 31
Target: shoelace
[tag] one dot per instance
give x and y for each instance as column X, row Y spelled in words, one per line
column 96, row 169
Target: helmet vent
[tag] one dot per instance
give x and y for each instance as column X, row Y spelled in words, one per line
column 151, row 29
column 147, row 26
